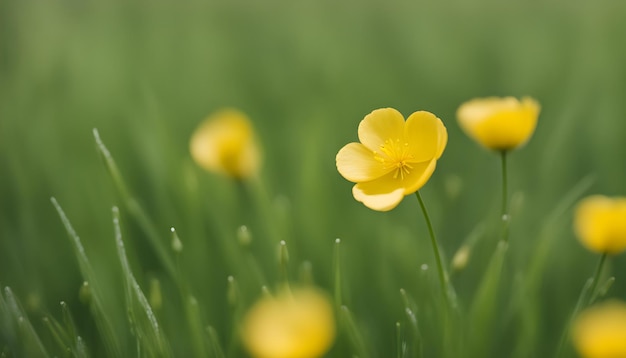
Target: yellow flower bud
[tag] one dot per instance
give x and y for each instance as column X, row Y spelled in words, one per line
column 600, row 223
column 461, row 258
column 293, row 324
column 600, row 331
column 499, row 123
column 225, row 143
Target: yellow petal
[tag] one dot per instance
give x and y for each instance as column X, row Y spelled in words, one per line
column 422, row 136
column 600, row 331
column 357, row 163
column 499, row 123
column 443, row 139
column 418, row 176
column 386, row 192
column 381, row 125
column 377, row 195
column 600, row 224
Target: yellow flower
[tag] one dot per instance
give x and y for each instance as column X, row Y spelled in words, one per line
column 600, row 223
column 395, row 157
column 600, row 331
column 225, row 143
column 294, row 324
column 499, row 123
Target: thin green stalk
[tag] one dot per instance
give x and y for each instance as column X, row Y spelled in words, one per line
column 584, row 299
column 103, row 321
column 410, row 311
column 505, row 192
column 337, row 273
column 399, row 341
column 596, row 278
column 504, row 184
column 190, row 304
column 134, row 208
column 284, row 263
column 141, row 316
column 360, row 348
column 482, row 314
column 443, row 275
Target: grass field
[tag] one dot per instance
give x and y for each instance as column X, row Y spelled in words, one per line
column 145, row 74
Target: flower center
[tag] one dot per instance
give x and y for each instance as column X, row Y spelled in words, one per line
column 395, row 155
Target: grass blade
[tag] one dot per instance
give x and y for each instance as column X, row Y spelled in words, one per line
column 31, row 345
column 484, row 306
column 112, row 343
column 218, row 352
column 410, row 311
column 354, row 334
column 135, row 210
column 141, row 316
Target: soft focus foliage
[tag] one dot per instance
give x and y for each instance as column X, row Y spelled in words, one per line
column 600, row 224
column 395, row 157
column 297, row 323
column 499, row 123
column 600, row 331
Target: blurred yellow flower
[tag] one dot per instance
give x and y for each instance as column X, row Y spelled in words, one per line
column 600, row 331
column 294, row 324
column 600, row 223
column 499, row 123
column 225, row 143
column 395, row 157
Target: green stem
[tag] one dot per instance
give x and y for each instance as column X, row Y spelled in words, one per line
column 584, row 299
column 505, row 214
column 337, row 269
column 504, row 185
column 596, row 279
column 443, row 276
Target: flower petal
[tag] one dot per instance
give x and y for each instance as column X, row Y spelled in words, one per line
column 380, row 125
column 386, row 192
column 443, row 139
column 600, row 224
column 418, row 176
column 357, row 163
column 499, row 123
column 480, row 108
column 421, row 133
column 600, row 331
column 378, row 194
column 225, row 143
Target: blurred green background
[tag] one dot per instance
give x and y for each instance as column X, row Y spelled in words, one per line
column 145, row 73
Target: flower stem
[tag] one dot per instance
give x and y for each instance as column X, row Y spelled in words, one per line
column 443, row 275
column 505, row 213
column 504, row 184
column 584, row 299
column 596, row 279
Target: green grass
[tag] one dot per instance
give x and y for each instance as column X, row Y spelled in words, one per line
column 145, row 74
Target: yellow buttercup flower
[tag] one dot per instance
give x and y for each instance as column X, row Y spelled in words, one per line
column 395, row 157
column 600, row 331
column 225, row 143
column 600, row 223
column 499, row 123
column 296, row 323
